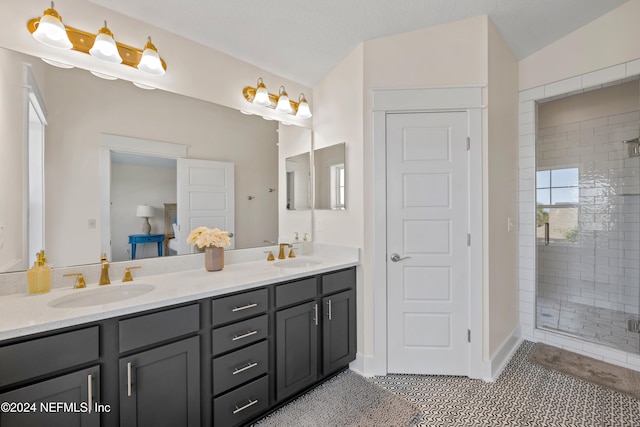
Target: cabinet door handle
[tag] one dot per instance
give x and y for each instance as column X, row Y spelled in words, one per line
column 251, row 403
column 315, row 309
column 129, row 379
column 249, row 366
column 244, row 307
column 329, row 311
column 89, row 391
column 239, row 337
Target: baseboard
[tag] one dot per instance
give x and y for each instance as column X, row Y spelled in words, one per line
column 365, row 366
column 494, row 366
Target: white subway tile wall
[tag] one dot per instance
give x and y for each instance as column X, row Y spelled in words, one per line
column 527, row 218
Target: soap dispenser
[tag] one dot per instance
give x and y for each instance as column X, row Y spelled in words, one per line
column 39, row 276
column 306, row 245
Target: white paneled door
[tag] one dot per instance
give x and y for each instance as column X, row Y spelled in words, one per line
column 427, row 243
column 205, row 198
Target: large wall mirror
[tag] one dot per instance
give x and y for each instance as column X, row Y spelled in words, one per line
column 330, row 177
column 79, row 109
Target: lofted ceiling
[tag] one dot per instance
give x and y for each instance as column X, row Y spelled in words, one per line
column 303, row 40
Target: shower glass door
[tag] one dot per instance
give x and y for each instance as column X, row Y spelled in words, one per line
column 588, row 215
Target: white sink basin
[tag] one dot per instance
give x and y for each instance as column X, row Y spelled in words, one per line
column 102, row 295
column 297, row 263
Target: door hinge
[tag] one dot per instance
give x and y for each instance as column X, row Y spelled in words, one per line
column 468, row 239
column 468, row 143
column 468, row 335
column 633, row 325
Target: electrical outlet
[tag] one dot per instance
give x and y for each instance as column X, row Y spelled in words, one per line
column 510, row 225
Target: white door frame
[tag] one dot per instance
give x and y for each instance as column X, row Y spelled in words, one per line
column 437, row 99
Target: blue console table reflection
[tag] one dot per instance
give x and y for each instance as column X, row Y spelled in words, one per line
column 136, row 239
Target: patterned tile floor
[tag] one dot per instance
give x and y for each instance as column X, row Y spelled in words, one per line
column 600, row 325
column 524, row 395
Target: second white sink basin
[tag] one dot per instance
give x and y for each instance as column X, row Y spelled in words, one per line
column 102, row 295
column 297, row 263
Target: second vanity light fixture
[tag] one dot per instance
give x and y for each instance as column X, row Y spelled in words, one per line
column 50, row 31
column 281, row 102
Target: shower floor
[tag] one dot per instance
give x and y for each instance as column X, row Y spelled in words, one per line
column 598, row 325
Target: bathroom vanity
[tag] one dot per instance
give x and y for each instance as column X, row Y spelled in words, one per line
column 219, row 349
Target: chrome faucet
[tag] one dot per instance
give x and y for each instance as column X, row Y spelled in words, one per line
column 104, row 275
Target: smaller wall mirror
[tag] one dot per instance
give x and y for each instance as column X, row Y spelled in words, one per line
column 298, row 182
column 330, row 177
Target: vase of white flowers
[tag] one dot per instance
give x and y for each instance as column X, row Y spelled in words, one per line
column 212, row 241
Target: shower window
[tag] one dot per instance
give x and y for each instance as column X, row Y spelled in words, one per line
column 557, row 196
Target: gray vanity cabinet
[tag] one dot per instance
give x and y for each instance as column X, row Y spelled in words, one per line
column 296, row 348
column 39, row 403
column 338, row 331
column 47, row 371
column 317, row 335
column 161, row 386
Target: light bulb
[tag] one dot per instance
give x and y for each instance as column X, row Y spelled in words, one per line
column 51, row 31
column 284, row 106
column 262, row 96
column 304, row 112
column 150, row 61
column 104, row 47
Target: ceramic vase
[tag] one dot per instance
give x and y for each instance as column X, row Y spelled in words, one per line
column 213, row 258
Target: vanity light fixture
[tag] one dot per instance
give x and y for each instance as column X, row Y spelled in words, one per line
column 261, row 96
column 150, row 61
column 304, row 112
column 49, row 30
column 284, row 105
column 281, row 102
column 104, row 46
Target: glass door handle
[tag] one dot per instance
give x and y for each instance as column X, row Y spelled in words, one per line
column 546, row 234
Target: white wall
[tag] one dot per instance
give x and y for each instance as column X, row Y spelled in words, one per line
column 500, row 196
column 81, row 107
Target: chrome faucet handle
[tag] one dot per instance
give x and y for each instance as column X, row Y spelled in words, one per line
column 127, row 274
column 80, row 282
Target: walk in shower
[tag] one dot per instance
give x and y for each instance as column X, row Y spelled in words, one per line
column 588, row 215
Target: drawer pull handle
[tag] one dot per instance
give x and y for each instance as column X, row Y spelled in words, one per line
column 89, row 392
column 239, row 337
column 244, row 307
column 129, row 379
column 249, row 366
column 251, row 403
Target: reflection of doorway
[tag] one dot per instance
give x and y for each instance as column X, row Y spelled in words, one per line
column 139, row 180
column 35, row 140
column 110, row 144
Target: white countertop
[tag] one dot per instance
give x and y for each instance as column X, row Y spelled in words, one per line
column 23, row 314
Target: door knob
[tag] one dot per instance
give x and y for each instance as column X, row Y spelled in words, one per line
column 395, row 257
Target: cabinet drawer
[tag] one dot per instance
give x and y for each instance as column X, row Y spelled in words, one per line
column 341, row 280
column 240, row 306
column 240, row 366
column 239, row 405
column 41, row 356
column 239, row 334
column 157, row 327
column 291, row 293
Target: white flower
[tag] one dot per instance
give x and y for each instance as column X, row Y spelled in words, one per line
column 203, row 237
